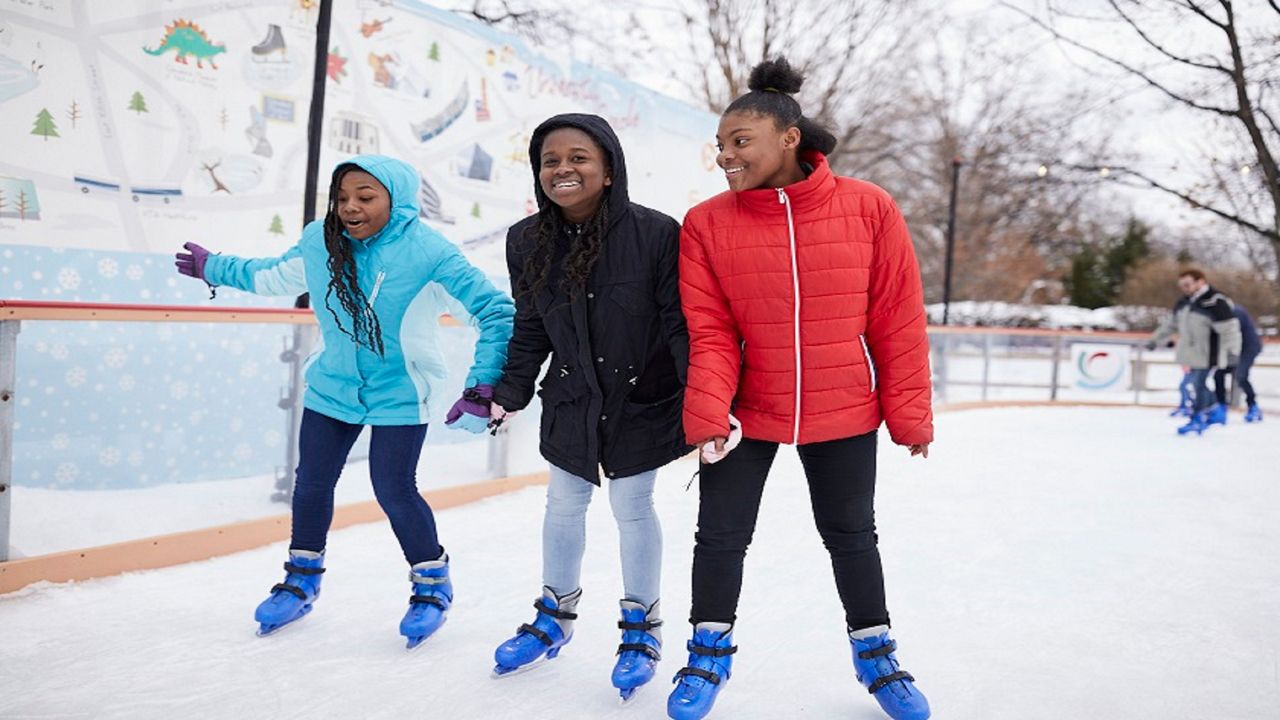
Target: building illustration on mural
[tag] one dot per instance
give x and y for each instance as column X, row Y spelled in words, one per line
column 475, row 163
column 353, row 134
column 482, row 104
column 185, row 38
column 429, row 205
column 433, row 126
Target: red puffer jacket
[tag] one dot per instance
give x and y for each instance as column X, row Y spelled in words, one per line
column 806, row 314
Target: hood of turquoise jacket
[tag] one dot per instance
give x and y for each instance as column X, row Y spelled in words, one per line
column 401, row 182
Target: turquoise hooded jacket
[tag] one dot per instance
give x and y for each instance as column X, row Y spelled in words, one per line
column 411, row 276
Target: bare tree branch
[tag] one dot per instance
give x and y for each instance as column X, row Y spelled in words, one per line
column 1120, row 64
column 1187, row 198
column 1160, row 48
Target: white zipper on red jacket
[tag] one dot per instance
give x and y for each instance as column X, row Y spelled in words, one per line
column 795, row 289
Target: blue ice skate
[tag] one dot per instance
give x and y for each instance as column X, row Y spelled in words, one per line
column 710, row 664
column 1254, row 415
column 878, row 671
column 429, row 604
column 641, row 647
column 1216, row 415
column 291, row 600
column 1197, row 424
column 1186, row 399
column 534, row 644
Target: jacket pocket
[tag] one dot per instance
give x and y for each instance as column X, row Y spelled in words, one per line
column 870, row 365
column 634, row 297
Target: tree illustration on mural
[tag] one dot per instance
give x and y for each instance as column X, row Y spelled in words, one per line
column 217, row 184
column 22, row 205
column 475, row 210
column 2, row 205
column 434, row 54
column 137, row 103
column 44, row 125
column 277, row 225
column 222, row 118
column 74, row 114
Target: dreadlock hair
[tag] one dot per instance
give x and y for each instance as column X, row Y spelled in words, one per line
column 365, row 328
column 584, row 250
column 771, row 84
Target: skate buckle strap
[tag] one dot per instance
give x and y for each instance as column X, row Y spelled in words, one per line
column 426, row 600
column 298, row 570
column 707, row 675
column 885, row 649
column 712, row 651
column 646, row 625
column 536, row 632
column 640, row 647
column 292, row 589
column 427, row 579
column 885, row 680
column 546, row 609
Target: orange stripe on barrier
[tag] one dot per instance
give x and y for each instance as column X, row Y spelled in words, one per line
column 192, row 545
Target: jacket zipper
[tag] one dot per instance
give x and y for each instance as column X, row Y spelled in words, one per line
column 795, row 290
column 871, row 371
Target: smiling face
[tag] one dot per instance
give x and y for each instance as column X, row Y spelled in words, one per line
column 754, row 153
column 364, row 205
column 573, row 172
column 1190, row 285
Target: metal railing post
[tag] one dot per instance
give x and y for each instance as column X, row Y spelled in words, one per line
column 499, row 452
column 1057, row 360
column 8, row 387
column 1139, row 376
column 986, row 363
column 296, row 356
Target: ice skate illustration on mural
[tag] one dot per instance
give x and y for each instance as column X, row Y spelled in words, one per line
column 272, row 44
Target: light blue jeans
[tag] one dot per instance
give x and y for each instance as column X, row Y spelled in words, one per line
column 564, row 533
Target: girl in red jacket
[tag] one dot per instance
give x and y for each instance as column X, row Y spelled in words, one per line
column 807, row 327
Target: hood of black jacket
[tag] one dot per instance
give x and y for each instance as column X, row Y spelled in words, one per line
column 600, row 131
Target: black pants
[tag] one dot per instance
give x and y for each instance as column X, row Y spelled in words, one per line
column 842, row 486
column 1241, row 372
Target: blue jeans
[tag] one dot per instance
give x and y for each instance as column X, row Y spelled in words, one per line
column 323, row 446
column 564, row 533
column 1199, row 379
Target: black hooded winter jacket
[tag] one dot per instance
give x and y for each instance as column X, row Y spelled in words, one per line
column 614, row 390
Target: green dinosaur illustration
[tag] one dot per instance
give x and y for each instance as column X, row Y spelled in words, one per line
column 186, row 38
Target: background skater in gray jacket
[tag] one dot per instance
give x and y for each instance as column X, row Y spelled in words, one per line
column 1208, row 336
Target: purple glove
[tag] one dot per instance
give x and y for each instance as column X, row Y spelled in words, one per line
column 471, row 412
column 192, row 265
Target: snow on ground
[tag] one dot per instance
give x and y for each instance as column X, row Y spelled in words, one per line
column 1042, row 563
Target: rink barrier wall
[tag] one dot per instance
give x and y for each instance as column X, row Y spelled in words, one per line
column 194, row 545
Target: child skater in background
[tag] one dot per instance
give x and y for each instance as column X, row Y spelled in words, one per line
column 379, row 280
column 595, row 279
column 806, row 321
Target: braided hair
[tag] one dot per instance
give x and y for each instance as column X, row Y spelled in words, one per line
column 365, row 328
column 584, row 250
column 771, row 84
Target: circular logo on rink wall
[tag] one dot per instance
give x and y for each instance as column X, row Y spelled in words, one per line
column 1099, row 369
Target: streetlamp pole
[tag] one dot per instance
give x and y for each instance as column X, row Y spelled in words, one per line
column 951, row 239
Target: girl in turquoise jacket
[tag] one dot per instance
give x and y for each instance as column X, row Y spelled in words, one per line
column 379, row 280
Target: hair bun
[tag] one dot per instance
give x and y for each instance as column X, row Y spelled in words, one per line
column 775, row 75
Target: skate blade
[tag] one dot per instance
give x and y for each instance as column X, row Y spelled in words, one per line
column 414, row 643
column 265, row 630
column 626, row 696
column 500, row 672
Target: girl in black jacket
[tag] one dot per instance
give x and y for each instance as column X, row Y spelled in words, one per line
column 595, row 279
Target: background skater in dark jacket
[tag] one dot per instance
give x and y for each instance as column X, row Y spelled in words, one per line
column 596, row 283
column 1250, row 347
